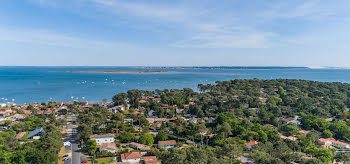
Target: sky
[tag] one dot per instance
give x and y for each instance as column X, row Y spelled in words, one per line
column 175, row 33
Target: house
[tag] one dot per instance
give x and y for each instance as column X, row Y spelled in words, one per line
column 179, row 111
column 251, row 145
column 149, row 158
column 291, row 120
column 301, row 132
column 156, row 99
column 263, row 100
column 4, row 113
column 211, row 119
column 139, row 147
column 159, row 120
column 187, row 106
column 20, row 135
column 327, row 142
column 2, row 105
column 172, row 119
column 110, row 147
column 35, row 134
column 166, row 144
column 288, row 138
column 150, row 120
column 123, row 107
column 150, row 113
column 132, row 157
column 246, row 106
column 101, row 139
column 151, row 162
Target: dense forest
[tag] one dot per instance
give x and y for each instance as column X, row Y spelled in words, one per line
column 45, row 150
column 242, row 111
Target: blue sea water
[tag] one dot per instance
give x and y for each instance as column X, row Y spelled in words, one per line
column 43, row 84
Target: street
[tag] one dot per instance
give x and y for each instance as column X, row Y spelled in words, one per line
column 74, row 158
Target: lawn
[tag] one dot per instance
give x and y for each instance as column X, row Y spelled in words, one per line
column 105, row 160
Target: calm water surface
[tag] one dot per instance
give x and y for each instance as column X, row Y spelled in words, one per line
column 42, row 84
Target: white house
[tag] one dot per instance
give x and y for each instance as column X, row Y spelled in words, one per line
column 110, row 147
column 101, row 139
column 251, row 145
column 132, row 157
column 291, row 120
column 167, row 144
column 3, row 105
column 327, row 142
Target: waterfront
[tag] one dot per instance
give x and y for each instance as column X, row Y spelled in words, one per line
column 42, row 84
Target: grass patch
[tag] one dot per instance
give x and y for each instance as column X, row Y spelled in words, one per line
column 104, row 160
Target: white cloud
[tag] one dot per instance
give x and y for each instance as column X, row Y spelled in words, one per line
column 49, row 38
column 207, row 26
column 201, row 31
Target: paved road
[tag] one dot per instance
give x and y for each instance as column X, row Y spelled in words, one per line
column 72, row 138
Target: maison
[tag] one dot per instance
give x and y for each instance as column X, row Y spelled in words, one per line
column 20, row 135
column 263, row 100
column 288, row 138
column 150, row 120
column 110, row 147
column 186, row 106
column 193, row 120
column 101, row 139
column 123, row 107
column 165, row 106
column 166, row 144
column 35, row 134
column 179, row 111
column 156, row 99
column 246, row 106
column 291, row 120
column 211, row 119
column 4, row 113
column 173, row 119
column 2, row 105
column 150, row 113
column 327, row 142
column 251, row 144
column 149, row 158
column 140, row 147
column 301, row 132
column 134, row 157
column 159, row 120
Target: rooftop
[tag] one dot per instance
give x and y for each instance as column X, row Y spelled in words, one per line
column 130, row 155
column 169, row 142
column 102, row 136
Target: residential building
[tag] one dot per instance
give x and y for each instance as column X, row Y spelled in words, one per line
column 101, row 139
column 110, row 147
column 140, row 147
column 167, row 144
column 251, row 144
column 291, row 120
column 132, row 157
column 327, row 142
column 35, row 134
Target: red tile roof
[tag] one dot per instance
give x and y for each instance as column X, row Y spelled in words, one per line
column 151, row 162
column 251, row 143
column 169, row 142
column 150, row 158
column 130, row 155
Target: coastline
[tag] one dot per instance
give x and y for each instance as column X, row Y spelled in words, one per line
column 116, row 71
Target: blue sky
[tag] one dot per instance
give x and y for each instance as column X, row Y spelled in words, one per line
column 175, row 33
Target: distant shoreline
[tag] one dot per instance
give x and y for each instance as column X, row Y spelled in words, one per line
column 116, row 71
